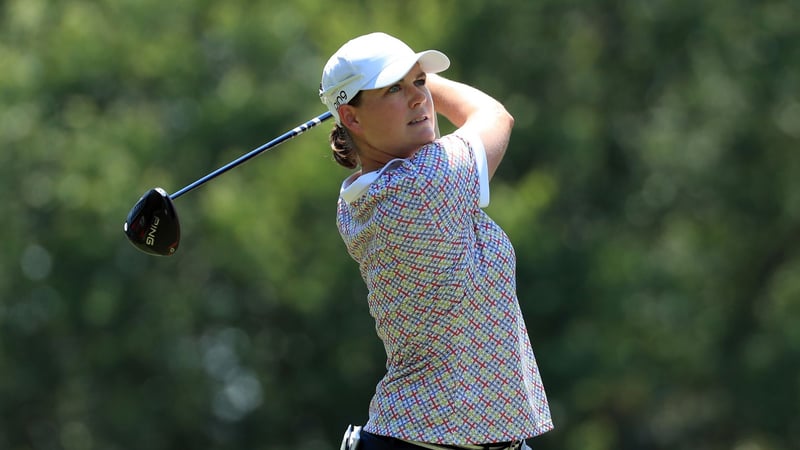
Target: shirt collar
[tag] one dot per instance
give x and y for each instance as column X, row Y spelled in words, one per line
column 357, row 184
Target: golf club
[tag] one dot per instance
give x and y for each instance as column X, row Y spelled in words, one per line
column 152, row 225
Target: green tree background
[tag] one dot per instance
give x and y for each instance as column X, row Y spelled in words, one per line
column 651, row 188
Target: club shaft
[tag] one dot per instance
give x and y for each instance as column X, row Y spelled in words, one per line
column 300, row 129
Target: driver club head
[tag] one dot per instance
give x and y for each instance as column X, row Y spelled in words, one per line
column 152, row 225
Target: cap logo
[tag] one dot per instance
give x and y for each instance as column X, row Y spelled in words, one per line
column 340, row 99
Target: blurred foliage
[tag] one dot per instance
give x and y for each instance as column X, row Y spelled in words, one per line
column 652, row 190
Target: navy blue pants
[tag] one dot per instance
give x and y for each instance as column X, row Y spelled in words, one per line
column 371, row 441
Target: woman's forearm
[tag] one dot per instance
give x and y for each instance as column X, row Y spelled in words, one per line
column 467, row 107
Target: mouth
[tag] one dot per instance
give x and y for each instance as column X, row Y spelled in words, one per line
column 418, row 120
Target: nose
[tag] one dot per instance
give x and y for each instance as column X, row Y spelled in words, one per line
column 418, row 96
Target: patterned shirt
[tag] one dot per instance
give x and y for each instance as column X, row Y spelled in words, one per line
column 442, row 290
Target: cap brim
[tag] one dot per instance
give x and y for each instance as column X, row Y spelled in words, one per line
column 430, row 61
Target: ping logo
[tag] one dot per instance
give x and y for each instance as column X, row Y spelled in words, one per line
column 151, row 235
column 341, row 99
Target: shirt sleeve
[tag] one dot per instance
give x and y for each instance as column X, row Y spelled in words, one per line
column 448, row 175
column 481, row 164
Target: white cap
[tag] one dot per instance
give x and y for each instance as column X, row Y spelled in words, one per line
column 371, row 61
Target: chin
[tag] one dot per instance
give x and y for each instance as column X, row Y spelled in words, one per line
column 424, row 142
column 429, row 136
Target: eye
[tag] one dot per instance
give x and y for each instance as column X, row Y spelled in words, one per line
column 420, row 82
column 393, row 89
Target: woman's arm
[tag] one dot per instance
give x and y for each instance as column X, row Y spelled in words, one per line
column 469, row 108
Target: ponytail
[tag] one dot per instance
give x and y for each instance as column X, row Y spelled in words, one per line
column 344, row 152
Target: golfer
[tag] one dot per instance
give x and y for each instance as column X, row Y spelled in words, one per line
column 460, row 371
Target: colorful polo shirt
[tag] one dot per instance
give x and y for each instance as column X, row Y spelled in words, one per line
column 442, row 290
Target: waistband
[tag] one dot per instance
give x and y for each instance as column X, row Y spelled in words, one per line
column 512, row 445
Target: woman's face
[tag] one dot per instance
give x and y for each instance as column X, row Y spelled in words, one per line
column 392, row 122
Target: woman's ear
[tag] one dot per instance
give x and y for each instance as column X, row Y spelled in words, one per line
column 349, row 118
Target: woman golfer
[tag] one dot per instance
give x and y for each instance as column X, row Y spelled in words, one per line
column 460, row 371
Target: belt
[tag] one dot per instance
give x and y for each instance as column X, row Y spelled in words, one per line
column 512, row 445
column 355, row 434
